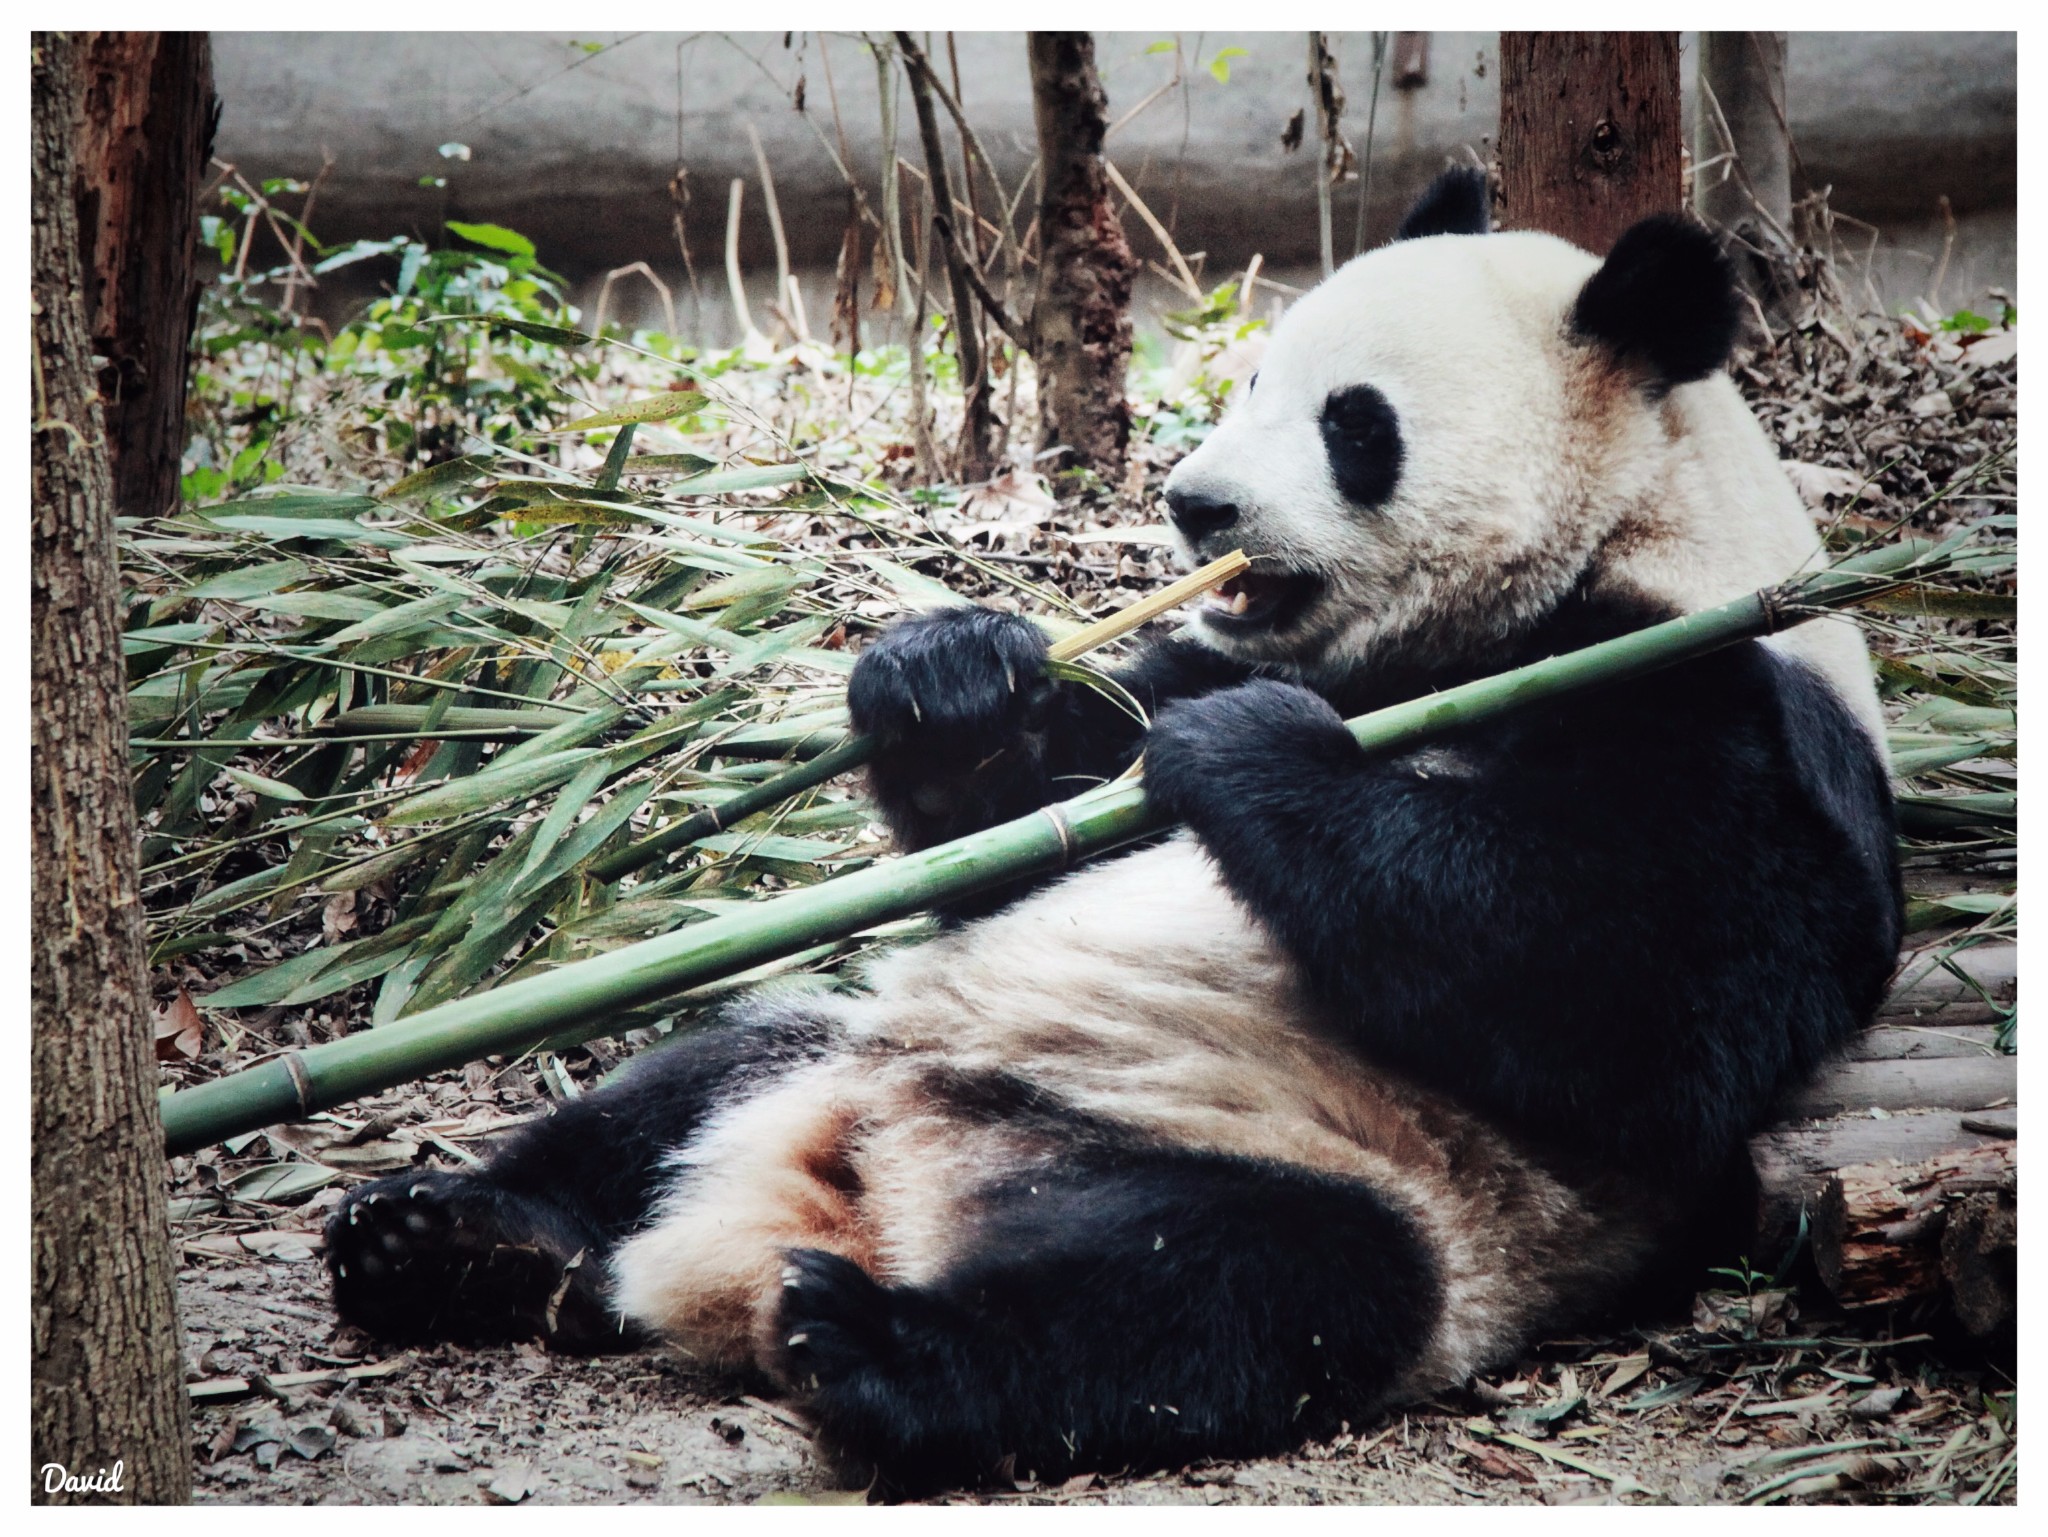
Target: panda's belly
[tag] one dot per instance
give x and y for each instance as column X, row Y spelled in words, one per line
column 1135, row 993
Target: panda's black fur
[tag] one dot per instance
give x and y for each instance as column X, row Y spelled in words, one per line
column 1532, row 987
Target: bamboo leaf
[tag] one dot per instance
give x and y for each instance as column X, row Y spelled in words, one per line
column 311, row 528
column 753, row 477
column 249, row 581
column 274, row 984
column 665, row 407
column 464, row 471
column 416, row 615
column 274, row 789
column 280, row 1182
column 478, row 792
column 562, row 815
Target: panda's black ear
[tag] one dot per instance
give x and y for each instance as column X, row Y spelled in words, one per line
column 1664, row 299
column 1455, row 204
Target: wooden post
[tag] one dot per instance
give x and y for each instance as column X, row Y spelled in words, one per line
column 1589, row 134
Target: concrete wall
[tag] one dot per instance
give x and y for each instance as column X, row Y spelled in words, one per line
column 577, row 147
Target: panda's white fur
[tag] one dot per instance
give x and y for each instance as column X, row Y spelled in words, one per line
column 1151, row 1005
column 1531, row 458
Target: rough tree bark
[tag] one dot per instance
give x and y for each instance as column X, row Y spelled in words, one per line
column 144, row 143
column 1742, row 88
column 1082, row 316
column 1589, row 135
column 106, row 1378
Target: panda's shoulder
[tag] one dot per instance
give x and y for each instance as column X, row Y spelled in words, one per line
column 1748, row 705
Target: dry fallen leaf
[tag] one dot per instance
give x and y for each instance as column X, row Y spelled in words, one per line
column 180, row 1031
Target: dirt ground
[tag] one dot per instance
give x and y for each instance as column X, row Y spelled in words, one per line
column 1748, row 1400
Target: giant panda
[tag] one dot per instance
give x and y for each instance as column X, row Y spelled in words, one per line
column 1377, row 1071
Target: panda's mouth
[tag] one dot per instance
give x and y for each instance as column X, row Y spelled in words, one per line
column 1260, row 600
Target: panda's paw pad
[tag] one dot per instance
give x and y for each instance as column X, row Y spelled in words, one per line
column 834, row 1320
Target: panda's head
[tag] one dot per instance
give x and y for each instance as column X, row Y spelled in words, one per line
column 1446, row 435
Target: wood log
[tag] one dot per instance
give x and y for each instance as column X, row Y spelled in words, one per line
column 1980, row 1259
column 1795, row 1161
column 1880, row 1231
column 1927, row 993
column 1925, row 1080
column 1979, row 1082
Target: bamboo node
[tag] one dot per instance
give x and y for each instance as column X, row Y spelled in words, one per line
column 302, row 1082
column 1060, row 825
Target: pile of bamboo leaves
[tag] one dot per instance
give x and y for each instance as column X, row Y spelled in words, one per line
column 485, row 702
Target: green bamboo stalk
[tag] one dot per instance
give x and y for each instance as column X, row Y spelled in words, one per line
column 580, row 1000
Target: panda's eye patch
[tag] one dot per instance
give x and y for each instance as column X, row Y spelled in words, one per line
column 1362, row 436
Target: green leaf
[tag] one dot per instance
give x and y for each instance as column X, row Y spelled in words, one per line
column 494, row 237
column 317, row 603
column 666, row 406
column 155, row 637
column 275, row 789
column 295, row 504
column 249, row 581
column 540, row 331
column 439, row 477
column 753, row 477
column 274, row 984
column 421, row 613
column 312, row 528
column 1164, row 45
column 917, row 589
column 500, row 782
column 1220, row 65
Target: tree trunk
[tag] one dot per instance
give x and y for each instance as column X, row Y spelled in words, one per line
column 106, row 1379
column 1082, row 317
column 1742, row 97
column 142, row 149
column 1589, row 135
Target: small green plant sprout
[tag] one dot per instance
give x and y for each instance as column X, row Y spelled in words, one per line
column 1219, row 66
column 1965, row 323
column 1742, row 1276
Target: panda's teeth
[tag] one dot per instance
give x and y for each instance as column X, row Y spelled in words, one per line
column 1239, row 601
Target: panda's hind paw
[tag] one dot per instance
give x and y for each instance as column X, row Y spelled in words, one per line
column 834, row 1320
column 427, row 1256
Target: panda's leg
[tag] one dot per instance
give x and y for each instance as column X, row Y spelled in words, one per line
column 1156, row 1308
column 517, row 1249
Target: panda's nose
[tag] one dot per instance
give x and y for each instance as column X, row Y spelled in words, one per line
column 1198, row 516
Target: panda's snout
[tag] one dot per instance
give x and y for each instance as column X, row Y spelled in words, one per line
column 1197, row 515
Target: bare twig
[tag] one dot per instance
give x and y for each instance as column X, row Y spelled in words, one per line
column 1185, row 277
column 604, row 295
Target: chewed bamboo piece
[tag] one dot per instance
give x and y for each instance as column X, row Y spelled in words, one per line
column 584, row 999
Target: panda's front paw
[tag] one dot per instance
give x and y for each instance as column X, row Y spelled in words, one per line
column 1212, row 760
column 966, row 679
